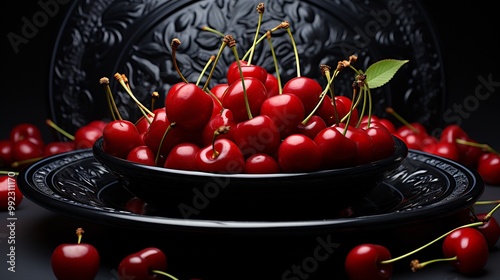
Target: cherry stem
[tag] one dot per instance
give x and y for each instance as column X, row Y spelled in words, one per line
column 212, row 58
column 401, row 119
column 325, row 69
column 174, row 44
column 489, row 214
column 232, row 44
column 260, row 9
column 275, row 60
column 16, row 164
column 207, row 28
column 485, row 202
column 172, row 125
column 220, row 130
column 416, row 265
column 484, row 147
column 79, row 233
column 321, row 98
column 279, row 26
column 3, row 172
column 223, row 45
column 164, row 274
column 120, row 79
column 154, row 96
column 430, row 243
column 59, row 129
column 113, row 109
column 297, row 61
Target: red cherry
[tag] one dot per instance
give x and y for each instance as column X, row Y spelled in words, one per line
column 443, row 149
column 140, row 265
column 470, row 248
column 223, row 118
column 489, row 168
column 307, row 89
column 75, row 261
column 183, row 157
column 10, row 195
column 365, row 151
column 329, row 111
column 6, row 155
column 490, row 229
column 254, row 71
column 136, row 206
column 299, row 153
column 234, row 98
column 346, row 105
column 25, row 149
column 286, row 111
column 189, row 107
column 363, row 262
column 451, row 133
column 336, row 149
column 219, row 89
column 86, row 136
column 120, row 137
column 99, row 124
column 58, row 147
column 223, row 156
column 257, row 135
column 143, row 124
column 312, row 127
column 142, row 154
column 382, row 140
column 388, row 124
column 26, row 131
column 272, row 85
column 261, row 164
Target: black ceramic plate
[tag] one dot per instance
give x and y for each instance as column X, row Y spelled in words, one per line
column 424, row 187
column 101, row 37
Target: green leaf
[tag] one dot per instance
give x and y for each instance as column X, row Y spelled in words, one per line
column 382, row 71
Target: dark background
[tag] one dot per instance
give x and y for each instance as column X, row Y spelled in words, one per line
column 468, row 34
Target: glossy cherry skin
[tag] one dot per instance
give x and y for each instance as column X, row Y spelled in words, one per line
column 79, row 261
column 489, row 168
column 136, row 206
column 10, row 195
column 312, row 127
column 299, row 153
column 223, row 118
column 140, row 265
column 382, row 140
column 470, row 248
column 336, row 149
column 234, row 98
column 26, row 131
column 307, row 89
column 183, row 157
column 143, row 123
column 223, row 156
column 257, row 135
column 86, row 136
column 189, row 107
column 490, row 230
column 363, row 262
column 58, row 147
column 261, row 164
column 443, row 149
column 120, row 137
column 25, row 150
column 6, row 156
column 330, row 112
column 219, row 89
column 272, row 85
column 142, row 154
column 254, row 71
column 347, row 106
column 286, row 111
column 99, row 124
column 365, row 151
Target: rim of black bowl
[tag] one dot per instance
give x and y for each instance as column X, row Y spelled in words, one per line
column 400, row 153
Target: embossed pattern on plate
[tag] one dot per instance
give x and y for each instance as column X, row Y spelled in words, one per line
column 423, row 187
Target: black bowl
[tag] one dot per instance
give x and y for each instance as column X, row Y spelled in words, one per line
column 250, row 197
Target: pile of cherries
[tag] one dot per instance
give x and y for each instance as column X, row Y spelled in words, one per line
column 455, row 144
